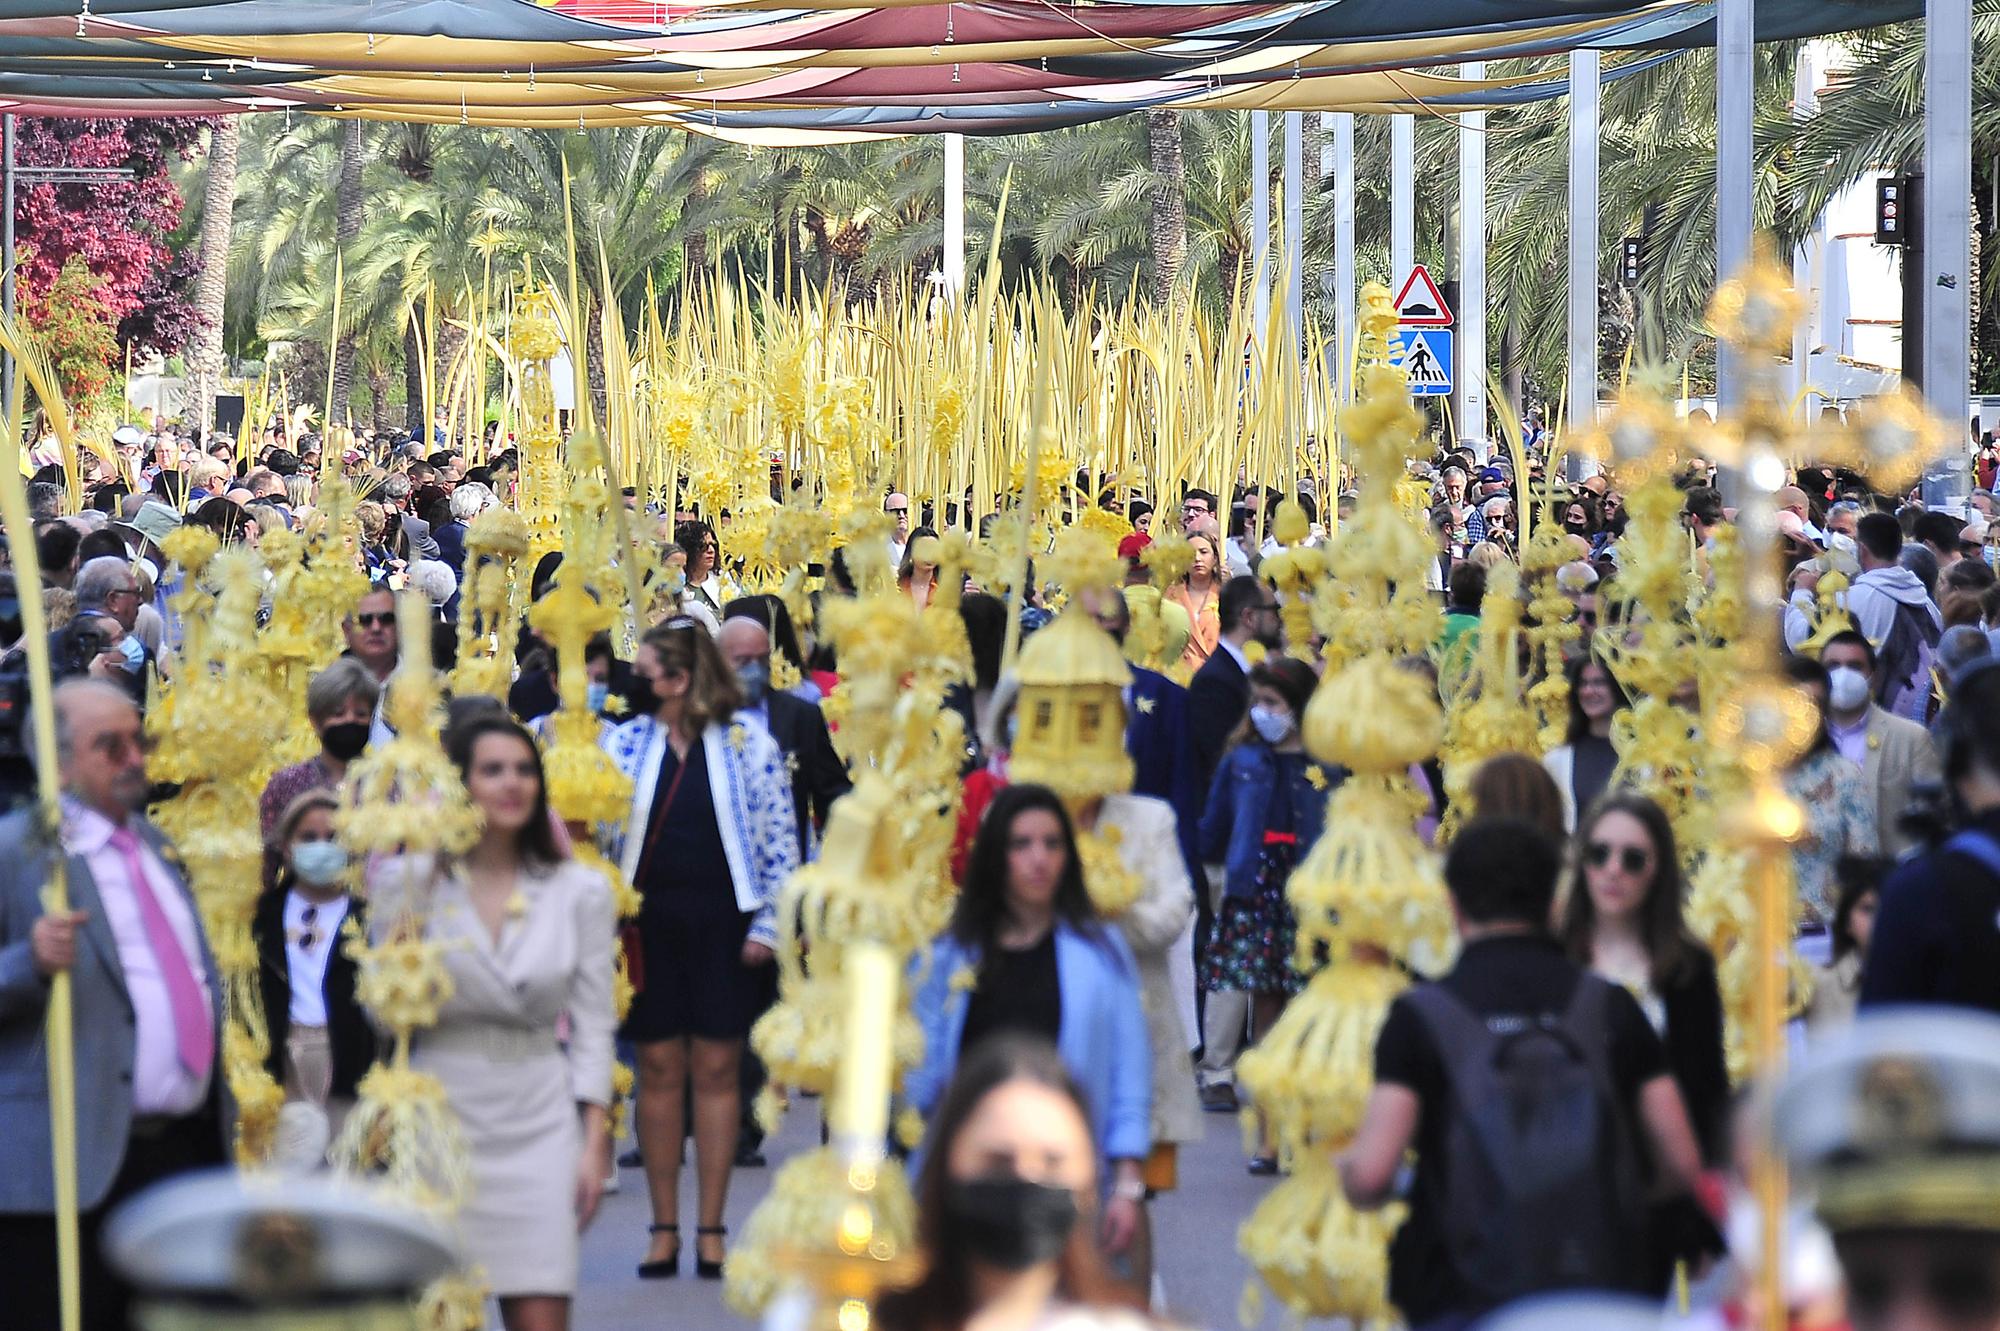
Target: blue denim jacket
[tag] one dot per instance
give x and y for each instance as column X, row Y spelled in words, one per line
column 1232, row 826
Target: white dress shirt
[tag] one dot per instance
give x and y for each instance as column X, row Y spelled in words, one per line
column 160, row 1085
column 307, row 965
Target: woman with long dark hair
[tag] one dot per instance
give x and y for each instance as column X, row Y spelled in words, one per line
column 710, row 837
column 528, row 935
column 1005, row 1198
column 1837, row 987
column 1623, row 920
column 1042, row 964
column 1583, row 763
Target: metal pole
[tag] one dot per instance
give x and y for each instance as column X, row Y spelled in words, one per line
column 1806, row 275
column 1260, row 219
column 1947, row 224
column 1402, row 197
column 1295, row 230
column 954, row 213
column 1735, row 109
column 1343, row 245
column 1585, row 71
column 7, row 252
column 1470, row 410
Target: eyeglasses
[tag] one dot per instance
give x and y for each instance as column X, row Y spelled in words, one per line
column 375, row 619
column 896, row 512
column 1631, row 859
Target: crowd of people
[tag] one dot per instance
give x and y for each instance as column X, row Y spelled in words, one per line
column 1061, row 1081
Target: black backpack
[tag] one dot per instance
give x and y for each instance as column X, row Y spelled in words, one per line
column 1541, row 1187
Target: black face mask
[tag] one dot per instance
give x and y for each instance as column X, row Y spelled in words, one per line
column 1008, row 1223
column 344, row 740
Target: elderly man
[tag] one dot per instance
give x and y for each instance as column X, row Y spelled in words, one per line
column 818, row 776
column 818, row 779
column 100, row 641
column 897, row 506
column 147, row 1008
column 372, row 639
column 1842, row 519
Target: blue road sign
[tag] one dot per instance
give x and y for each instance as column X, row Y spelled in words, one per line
column 1425, row 355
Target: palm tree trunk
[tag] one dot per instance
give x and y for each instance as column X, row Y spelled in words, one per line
column 694, row 249
column 593, row 364
column 378, row 393
column 413, row 373
column 217, row 208
column 347, row 225
column 1168, row 227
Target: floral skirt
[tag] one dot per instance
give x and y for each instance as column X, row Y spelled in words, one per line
column 1250, row 949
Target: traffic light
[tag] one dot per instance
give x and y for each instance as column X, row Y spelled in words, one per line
column 1891, row 212
column 1631, row 256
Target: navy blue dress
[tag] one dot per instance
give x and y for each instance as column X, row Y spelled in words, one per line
column 691, row 933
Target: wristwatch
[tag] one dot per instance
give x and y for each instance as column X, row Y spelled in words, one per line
column 1131, row 1190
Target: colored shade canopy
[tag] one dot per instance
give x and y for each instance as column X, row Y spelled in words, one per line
column 767, row 73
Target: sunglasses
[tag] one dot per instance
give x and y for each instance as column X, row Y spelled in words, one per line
column 1630, row 858
column 1964, row 1291
column 896, row 512
column 308, row 936
column 375, row 619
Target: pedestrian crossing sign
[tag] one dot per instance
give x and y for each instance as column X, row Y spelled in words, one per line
column 1425, row 357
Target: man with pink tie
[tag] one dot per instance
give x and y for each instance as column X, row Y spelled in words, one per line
column 147, row 1003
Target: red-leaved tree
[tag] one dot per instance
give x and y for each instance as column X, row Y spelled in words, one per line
column 120, row 229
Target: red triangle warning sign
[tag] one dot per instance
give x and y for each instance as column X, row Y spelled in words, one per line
column 1419, row 304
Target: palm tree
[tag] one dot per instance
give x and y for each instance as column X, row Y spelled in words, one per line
column 1657, row 155
column 1871, row 119
column 1169, row 221
column 347, row 226
column 212, row 281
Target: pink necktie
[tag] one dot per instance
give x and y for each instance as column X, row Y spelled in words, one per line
column 194, row 1036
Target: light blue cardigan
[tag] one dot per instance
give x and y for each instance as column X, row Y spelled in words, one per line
column 1102, row 1039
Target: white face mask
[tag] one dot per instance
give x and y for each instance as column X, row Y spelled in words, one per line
column 1847, row 689
column 1273, row 725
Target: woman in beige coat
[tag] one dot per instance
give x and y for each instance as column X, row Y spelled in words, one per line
column 528, row 935
column 1153, row 926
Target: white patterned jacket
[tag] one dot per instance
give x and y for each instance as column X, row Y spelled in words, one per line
column 752, row 794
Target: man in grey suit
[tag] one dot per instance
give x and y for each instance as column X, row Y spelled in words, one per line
column 147, row 1009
